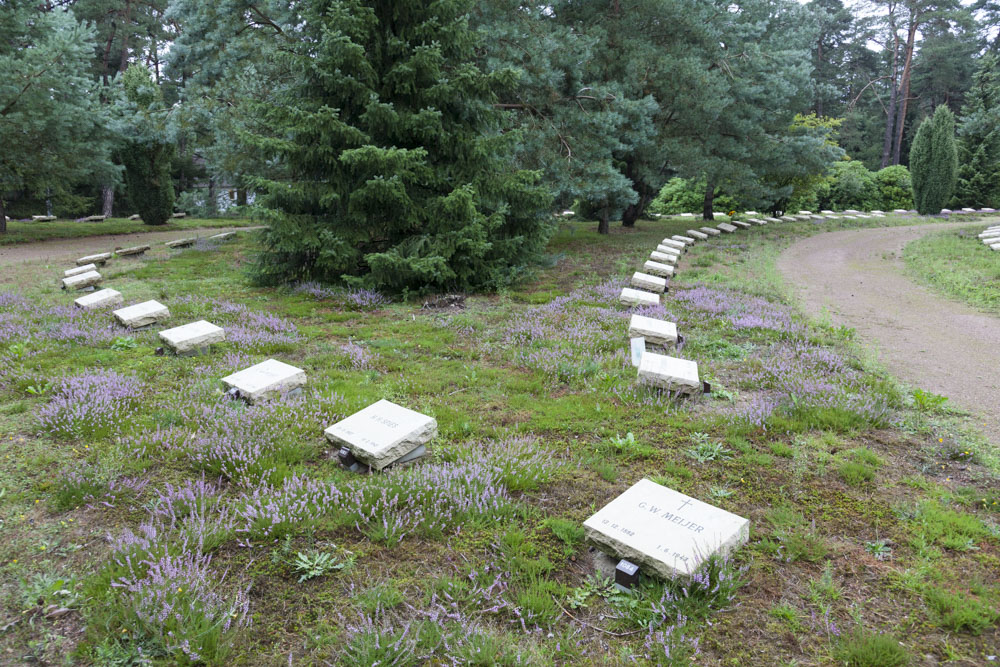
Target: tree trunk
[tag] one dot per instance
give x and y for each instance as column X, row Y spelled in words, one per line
column 213, row 198
column 48, row 202
column 3, row 217
column 819, row 60
column 107, row 200
column 709, row 204
column 634, row 211
column 603, row 226
column 890, row 113
column 241, row 197
column 904, row 87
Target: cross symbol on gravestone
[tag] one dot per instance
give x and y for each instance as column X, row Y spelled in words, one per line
column 683, row 505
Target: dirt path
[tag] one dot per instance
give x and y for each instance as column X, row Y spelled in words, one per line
column 71, row 249
column 856, row 277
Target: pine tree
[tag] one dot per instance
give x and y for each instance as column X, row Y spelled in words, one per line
column 386, row 167
column 934, row 162
column 979, row 144
column 148, row 152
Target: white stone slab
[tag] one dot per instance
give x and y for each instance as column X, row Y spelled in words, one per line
column 193, row 336
column 899, row 211
column 726, row 227
column 850, row 217
column 674, row 243
column 266, row 380
column 990, row 232
column 655, row 331
column 382, row 433
column 995, row 246
column 82, row 280
column 944, row 211
column 772, row 219
column 686, row 240
column 863, row 216
column 179, row 215
column 878, row 215
column 668, row 250
column 224, row 236
column 637, row 348
column 711, row 231
column 95, row 218
column 850, row 210
column 805, row 212
column 744, row 225
column 663, row 258
column 658, row 269
column 180, row 243
column 127, row 252
column 875, row 211
column 634, row 297
column 826, row 212
column 86, row 268
column 99, row 258
column 135, row 216
column 788, row 218
column 648, row 282
column 687, row 215
column 757, row 221
column 680, row 375
column 665, row 532
column 969, row 210
column 752, row 213
column 142, row 314
column 987, row 210
column 104, row 298
column 701, row 236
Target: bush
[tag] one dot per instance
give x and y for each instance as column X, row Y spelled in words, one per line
column 934, row 162
column 681, row 195
column 851, row 185
column 147, row 158
column 867, row 649
column 895, row 189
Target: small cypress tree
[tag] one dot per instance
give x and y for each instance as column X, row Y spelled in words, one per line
column 146, row 155
column 934, row 162
column 385, row 164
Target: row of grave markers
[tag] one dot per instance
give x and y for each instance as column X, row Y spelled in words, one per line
column 991, row 237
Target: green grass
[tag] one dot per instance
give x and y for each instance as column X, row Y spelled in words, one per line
column 958, row 265
column 30, row 232
column 586, row 432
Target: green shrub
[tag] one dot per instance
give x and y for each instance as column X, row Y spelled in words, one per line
column 147, row 159
column 850, row 185
column 961, row 612
column 681, row 195
column 855, row 474
column 934, row 161
column 867, row 649
column 895, row 188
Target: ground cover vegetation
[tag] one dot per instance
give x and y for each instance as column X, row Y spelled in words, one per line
column 958, row 265
column 144, row 519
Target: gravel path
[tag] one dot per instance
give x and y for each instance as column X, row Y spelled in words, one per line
column 856, row 277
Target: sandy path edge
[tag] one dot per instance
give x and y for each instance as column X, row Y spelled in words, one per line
column 856, row 277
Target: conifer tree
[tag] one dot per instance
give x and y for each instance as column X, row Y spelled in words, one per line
column 386, row 165
column 148, row 151
column 934, row 162
column 979, row 145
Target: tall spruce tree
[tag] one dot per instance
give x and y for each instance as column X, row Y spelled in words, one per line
column 934, row 162
column 386, row 167
column 148, row 150
column 979, row 145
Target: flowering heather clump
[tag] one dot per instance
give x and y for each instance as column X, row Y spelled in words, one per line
column 91, row 405
column 359, row 357
column 268, row 512
column 521, row 462
column 175, row 603
column 350, row 298
column 72, row 324
column 740, row 310
column 245, row 327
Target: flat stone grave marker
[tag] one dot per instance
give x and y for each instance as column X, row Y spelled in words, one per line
column 142, row 314
column 637, row 348
column 671, row 373
column 863, row 216
column 82, row 280
column 180, row 243
column 383, row 433
column 686, row 240
column 674, row 243
column 266, row 380
column 989, row 232
column 648, row 282
column 726, row 227
column 805, row 212
column 224, row 236
column 94, row 218
column 850, row 217
column 658, row 269
column 656, row 331
column 987, row 210
column 711, row 231
column 751, row 213
column 78, row 270
column 192, row 338
column 772, row 219
column 127, row 252
column 687, row 215
column 663, row 257
column 668, row 250
column 826, row 212
column 945, row 211
column 100, row 259
column 899, row 211
column 135, row 216
column 104, row 298
column 634, row 297
column 664, row 531
column 179, row 215
column 701, row 236
column 875, row 210
column 850, row 210
column 744, row 225
column 995, row 247
column 788, row 218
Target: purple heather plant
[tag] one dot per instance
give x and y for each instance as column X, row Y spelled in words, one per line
column 246, row 328
column 353, row 298
column 94, row 404
column 359, row 357
column 740, row 310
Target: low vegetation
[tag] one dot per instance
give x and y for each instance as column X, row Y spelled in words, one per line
column 956, row 264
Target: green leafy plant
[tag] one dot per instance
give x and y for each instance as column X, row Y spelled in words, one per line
column 927, row 401
column 312, row 564
column 123, row 343
column 880, row 549
column 705, row 452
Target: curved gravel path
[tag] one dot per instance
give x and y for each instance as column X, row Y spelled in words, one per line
column 857, row 278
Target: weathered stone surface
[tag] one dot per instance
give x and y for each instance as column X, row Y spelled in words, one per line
column 687, row 215
column 193, row 336
column 142, row 314
column 648, row 282
column 266, row 380
column 663, row 257
column 637, row 348
column 82, row 280
column 137, row 250
column 757, row 221
column 382, row 433
column 655, row 331
column 224, row 236
column 686, row 240
column 945, row 211
column 135, row 217
column 751, row 213
column 989, row 233
column 635, row 297
column 180, row 243
column 850, row 217
column 862, row 215
column 987, row 210
column 680, row 375
column 668, row 250
column 43, row 218
column 701, row 236
column 726, row 227
column 658, row 269
column 86, row 268
column 968, row 210
column 179, row 215
column 788, row 218
column 674, row 243
column 772, row 219
column 805, row 212
column 827, row 212
column 94, row 218
column 995, row 246
column 665, row 532
column 104, row 298
column 875, row 211
column 711, row 231
column 99, row 258
column 744, row 225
